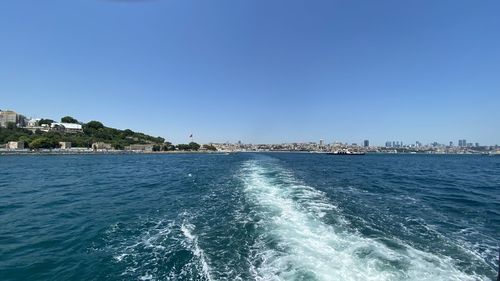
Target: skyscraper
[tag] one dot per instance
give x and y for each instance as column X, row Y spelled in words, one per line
column 366, row 143
column 462, row 143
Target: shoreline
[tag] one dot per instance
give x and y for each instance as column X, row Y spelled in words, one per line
column 124, row 152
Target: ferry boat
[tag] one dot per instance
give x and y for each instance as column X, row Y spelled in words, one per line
column 346, row 152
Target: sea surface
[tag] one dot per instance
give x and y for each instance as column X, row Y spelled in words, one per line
column 249, row 216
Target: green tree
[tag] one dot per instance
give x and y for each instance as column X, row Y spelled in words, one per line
column 209, row 147
column 128, row 132
column 168, row 146
column 183, row 146
column 194, row 146
column 11, row 126
column 68, row 119
column 42, row 142
column 45, row 122
column 118, row 146
column 96, row 125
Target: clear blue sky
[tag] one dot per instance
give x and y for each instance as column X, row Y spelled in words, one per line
column 259, row 70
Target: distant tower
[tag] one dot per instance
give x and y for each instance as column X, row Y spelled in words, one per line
column 321, row 142
column 462, row 143
column 451, row 143
column 366, row 143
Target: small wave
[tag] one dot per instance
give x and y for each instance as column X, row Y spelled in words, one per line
column 197, row 251
column 158, row 250
column 295, row 243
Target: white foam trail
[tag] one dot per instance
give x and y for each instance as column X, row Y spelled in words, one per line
column 295, row 244
column 197, row 251
column 146, row 251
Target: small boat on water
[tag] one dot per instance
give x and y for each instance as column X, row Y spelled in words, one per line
column 346, row 152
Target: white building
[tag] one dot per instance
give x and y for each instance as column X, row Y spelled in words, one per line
column 67, row 127
column 15, row 145
column 33, row 122
column 140, row 147
column 101, row 146
column 64, row 145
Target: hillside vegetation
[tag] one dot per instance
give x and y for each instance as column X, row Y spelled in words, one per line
column 93, row 131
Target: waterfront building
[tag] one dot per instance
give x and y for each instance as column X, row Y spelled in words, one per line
column 15, row 145
column 366, row 143
column 388, row 144
column 101, row 145
column 140, row 147
column 451, row 143
column 64, row 145
column 321, row 142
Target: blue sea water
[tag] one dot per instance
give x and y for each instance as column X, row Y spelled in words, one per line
column 249, row 216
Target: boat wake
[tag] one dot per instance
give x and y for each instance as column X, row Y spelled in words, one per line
column 296, row 241
column 159, row 250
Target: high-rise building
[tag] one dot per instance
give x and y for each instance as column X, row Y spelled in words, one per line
column 321, row 142
column 462, row 143
column 366, row 143
column 451, row 143
column 388, row 144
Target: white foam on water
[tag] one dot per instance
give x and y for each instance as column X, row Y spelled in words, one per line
column 187, row 229
column 296, row 244
column 146, row 277
column 145, row 252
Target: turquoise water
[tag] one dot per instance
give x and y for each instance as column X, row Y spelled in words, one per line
column 277, row 216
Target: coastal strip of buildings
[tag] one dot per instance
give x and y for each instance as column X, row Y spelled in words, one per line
column 390, row 147
column 11, row 118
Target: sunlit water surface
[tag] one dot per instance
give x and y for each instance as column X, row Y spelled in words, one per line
column 278, row 216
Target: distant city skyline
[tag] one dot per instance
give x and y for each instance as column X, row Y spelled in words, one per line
column 259, row 71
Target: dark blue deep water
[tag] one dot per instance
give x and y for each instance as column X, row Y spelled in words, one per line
column 277, row 216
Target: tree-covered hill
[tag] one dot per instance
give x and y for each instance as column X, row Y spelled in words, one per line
column 93, row 131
